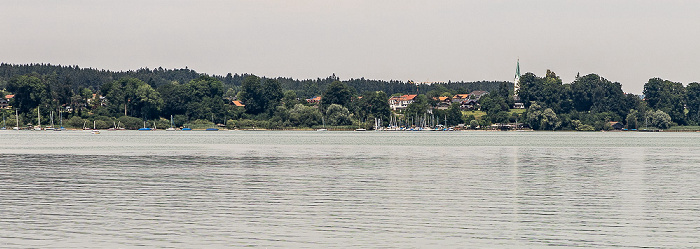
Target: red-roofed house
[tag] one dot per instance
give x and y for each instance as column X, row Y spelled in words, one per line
column 401, row 102
column 460, row 97
column 238, row 103
column 5, row 102
column 314, row 100
column 443, row 102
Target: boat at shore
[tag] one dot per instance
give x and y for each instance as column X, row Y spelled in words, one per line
column 144, row 127
column 172, row 127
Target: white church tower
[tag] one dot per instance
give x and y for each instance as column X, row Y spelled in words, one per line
column 518, row 104
column 516, row 80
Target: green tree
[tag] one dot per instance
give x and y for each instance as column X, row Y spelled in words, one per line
column 454, row 115
column 252, row 96
column 692, row 99
column 374, row 105
column 631, row 119
column 336, row 93
column 542, row 119
column 290, row 99
column 304, row 116
column 548, row 91
column 666, row 96
column 121, row 96
column 659, row 119
column 338, row 115
column 492, row 104
column 148, row 101
column 596, row 94
column 272, row 94
column 29, row 90
column 205, row 99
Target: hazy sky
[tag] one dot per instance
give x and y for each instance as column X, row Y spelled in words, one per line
column 628, row 41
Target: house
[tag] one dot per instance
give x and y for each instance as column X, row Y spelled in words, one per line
column 401, row 102
column 616, row 125
column 460, row 98
column 477, row 94
column 5, row 102
column 443, row 102
column 238, row 103
column 469, row 104
column 314, row 100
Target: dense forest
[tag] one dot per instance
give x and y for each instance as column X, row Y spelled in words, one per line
column 79, row 95
column 150, row 97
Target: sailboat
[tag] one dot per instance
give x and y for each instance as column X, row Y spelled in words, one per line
column 172, row 128
column 94, row 129
column 60, row 121
column 50, row 128
column 38, row 114
column 324, row 125
column 144, row 127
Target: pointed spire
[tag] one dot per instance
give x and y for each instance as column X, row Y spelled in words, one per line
column 517, row 71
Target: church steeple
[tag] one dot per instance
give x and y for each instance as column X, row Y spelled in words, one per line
column 516, row 80
column 517, row 71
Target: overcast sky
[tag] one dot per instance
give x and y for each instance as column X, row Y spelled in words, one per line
column 628, row 41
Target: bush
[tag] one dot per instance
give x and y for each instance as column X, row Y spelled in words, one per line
column 200, row 124
column 585, row 128
column 474, row 124
column 162, row 123
column 75, row 122
column 230, row 124
column 130, row 123
column 101, row 124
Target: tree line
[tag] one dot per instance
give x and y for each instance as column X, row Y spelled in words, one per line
column 591, row 102
column 149, row 97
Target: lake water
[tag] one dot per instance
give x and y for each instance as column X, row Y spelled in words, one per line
column 125, row 189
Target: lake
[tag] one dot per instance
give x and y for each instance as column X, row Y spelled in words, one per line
column 295, row 189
